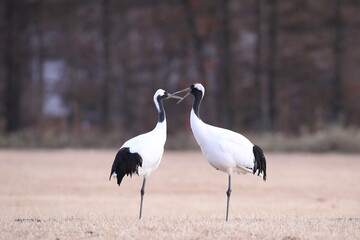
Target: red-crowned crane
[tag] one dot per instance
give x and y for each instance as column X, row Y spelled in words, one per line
column 142, row 154
column 225, row 150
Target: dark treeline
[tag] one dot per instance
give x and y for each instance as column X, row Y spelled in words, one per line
column 93, row 65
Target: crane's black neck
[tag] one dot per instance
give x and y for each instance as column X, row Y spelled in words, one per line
column 197, row 101
column 161, row 110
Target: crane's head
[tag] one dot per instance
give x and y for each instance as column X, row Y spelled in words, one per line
column 194, row 89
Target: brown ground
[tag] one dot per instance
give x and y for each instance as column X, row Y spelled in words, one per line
column 65, row 194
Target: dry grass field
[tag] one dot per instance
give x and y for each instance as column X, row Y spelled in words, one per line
column 65, row 194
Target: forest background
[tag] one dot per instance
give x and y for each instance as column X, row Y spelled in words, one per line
column 82, row 73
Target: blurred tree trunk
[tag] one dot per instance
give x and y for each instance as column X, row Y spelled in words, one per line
column 337, row 48
column 72, row 61
column 130, row 103
column 105, row 99
column 258, row 74
column 13, row 84
column 227, row 91
column 270, row 107
column 198, row 44
column 127, row 85
column 197, row 40
column 40, row 64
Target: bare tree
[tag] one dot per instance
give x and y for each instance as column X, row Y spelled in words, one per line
column 258, row 68
column 227, row 86
column 337, row 48
column 270, row 110
column 13, row 89
column 105, row 97
column 196, row 38
column 39, row 55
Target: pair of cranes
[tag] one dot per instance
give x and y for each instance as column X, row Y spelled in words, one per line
column 225, row 150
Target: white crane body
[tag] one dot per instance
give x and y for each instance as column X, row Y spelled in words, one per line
column 224, row 149
column 149, row 146
column 142, row 154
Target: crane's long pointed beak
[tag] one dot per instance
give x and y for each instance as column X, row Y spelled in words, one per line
column 186, row 89
column 173, row 96
column 187, row 94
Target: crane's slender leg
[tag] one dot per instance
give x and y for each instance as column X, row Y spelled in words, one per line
column 228, row 193
column 142, row 196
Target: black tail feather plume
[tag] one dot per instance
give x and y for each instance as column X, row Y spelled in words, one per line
column 125, row 163
column 259, row 162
